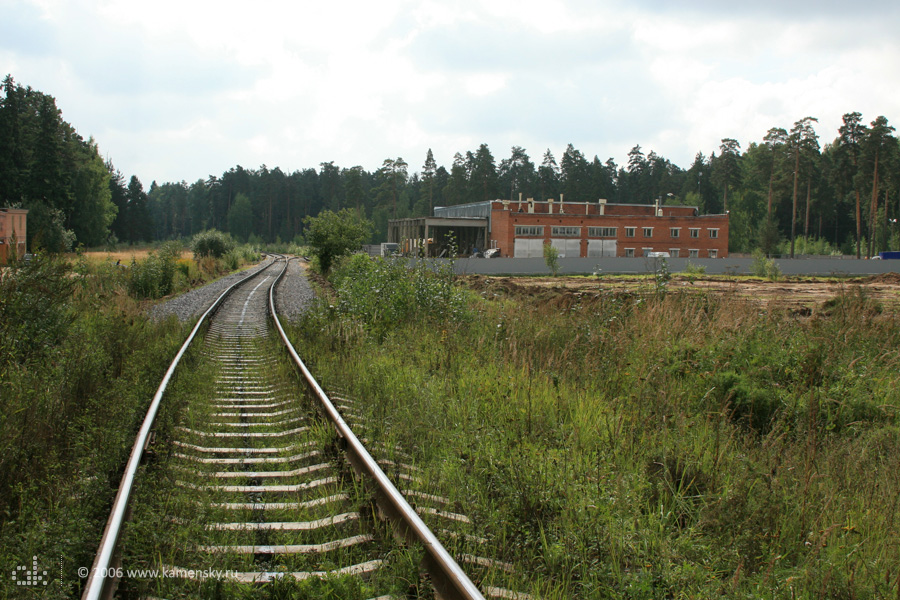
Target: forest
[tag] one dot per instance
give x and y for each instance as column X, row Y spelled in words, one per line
column 790, row 191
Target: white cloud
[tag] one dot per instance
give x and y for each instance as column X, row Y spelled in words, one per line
column 182, row 89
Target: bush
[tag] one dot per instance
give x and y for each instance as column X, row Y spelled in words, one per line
column 383, row 293
column 211, row 243
column 809, row 246
column 155, row 276
column 551, row 258
column 35, row 308
column 765, row 267
column 232, row 260
column 694, row 270
column 335, row 234
column 748, row 404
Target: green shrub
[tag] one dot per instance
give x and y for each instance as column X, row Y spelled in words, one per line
column 211, row 243
column 551, row 258
column 765, row 267
column 232, row 261
column 154, row 277
column 748, row 404
column 35, row 308
column 694, row 270
column 333, row 234
column 382, row 293
column 811, row 246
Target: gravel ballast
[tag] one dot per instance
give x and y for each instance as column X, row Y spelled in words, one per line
column 294, row 294
column 292, row 298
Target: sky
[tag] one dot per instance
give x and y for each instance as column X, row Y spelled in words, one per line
column 177, row 90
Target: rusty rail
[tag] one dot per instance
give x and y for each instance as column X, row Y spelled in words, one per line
column 448, row 578
column 99, row 583
column 450, row 581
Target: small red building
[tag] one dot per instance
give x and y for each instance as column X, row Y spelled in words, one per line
column 13, row 232
column 520, row 229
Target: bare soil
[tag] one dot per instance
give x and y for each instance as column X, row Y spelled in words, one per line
column 802, row 295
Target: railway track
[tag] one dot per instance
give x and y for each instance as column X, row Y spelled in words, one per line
column 261, row 483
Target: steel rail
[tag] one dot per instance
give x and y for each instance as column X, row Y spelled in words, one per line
column 99, row 582
column 450, row 581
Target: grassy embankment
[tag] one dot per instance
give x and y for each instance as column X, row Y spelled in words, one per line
column 658, row 445
column 79, row 363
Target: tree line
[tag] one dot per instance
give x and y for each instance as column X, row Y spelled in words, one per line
column 783, row 190
column 46, row 167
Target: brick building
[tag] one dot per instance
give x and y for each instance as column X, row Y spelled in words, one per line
column 577, row 229
column 13, row 223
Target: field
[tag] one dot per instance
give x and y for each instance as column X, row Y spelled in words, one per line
column 125, row 256
column 620, row 438
column 803, row 295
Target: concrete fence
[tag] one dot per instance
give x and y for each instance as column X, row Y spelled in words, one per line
column 714, row 266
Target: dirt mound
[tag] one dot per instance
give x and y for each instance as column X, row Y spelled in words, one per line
column 558, row 296
column 493, row 285
column 884, row 278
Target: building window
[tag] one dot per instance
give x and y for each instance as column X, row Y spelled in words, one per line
column 566, row 231
column 713, row 233
column 648, row 232
column 695, row 232
column 629, row 252
column 675, row 232
column 629, row 232
column 713, row 253
column 646, row 251
column 673, row 252
column 693, row 253
column 529, row 230
column 602, row 232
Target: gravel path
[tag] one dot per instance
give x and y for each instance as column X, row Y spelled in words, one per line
column 293, row 297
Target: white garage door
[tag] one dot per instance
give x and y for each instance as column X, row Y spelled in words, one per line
column 529, row 248
column 601, row 248
column 568, row 248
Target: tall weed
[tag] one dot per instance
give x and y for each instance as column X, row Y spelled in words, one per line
column 382, row 294
column 673, row 445
column 154, row 277
column 79, row 365
column 765, row 267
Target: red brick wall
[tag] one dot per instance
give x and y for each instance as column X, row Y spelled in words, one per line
column 12, row 220
column 503, row 223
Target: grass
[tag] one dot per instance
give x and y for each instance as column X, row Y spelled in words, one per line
column 668, row 446
column 79, row 363
column 138, row 254
column 160, row 271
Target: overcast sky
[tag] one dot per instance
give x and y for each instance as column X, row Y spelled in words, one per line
column 177, row 90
